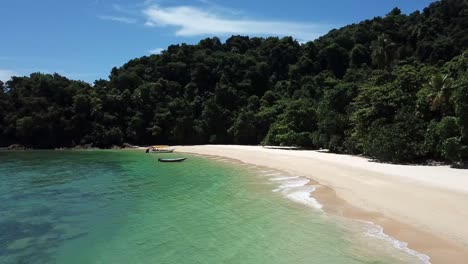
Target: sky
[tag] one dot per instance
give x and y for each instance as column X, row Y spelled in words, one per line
column 84, row 39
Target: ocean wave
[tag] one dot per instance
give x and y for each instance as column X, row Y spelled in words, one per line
column 291, row 183
column 377, row 231
column 303, row 196
column 296, row 189
column 283, row 178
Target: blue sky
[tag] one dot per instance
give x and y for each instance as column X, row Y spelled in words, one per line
column 84, row 39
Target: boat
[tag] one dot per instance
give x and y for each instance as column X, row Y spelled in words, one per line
column 160, row 146
column 172, row 160
column 282, row 147
column 159, row 150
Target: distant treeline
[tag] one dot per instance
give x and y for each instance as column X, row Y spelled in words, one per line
column 393, row 88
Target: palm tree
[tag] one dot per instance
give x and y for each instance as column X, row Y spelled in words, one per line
column 383, row 51
column 418, row 32
column 441, row 87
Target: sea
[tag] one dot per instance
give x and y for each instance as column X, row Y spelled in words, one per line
column 119, row 206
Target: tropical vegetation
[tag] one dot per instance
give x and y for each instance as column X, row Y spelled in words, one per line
column 394, row 88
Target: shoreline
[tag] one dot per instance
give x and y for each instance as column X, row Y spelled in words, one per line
column 412, row 209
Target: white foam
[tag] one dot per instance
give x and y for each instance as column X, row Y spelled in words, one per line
column 377, row 232
column 272, row 174
column 297, row 190
column 291, row 183
column 303, row 196
column 283, row 178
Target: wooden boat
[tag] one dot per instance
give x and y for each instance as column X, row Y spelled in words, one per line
column 159, row 150
column 172, row 160
column 159, row 146
column 282, row 147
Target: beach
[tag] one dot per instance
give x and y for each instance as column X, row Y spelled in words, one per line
column 424, row 206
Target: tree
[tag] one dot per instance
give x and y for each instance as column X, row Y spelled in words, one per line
column 442, row 88
column 393, row 88
column 461, row 104
column 335, row 58
column 359, row 55
column 401, row 141
column 244, row 129
column 383, row 51
column 451, row 149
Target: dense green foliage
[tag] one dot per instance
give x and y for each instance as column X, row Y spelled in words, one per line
column 393, row 88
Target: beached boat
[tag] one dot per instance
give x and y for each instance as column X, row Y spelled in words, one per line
column 282, row 147
column 172, row 160
column 159, row 150
column 159, row 146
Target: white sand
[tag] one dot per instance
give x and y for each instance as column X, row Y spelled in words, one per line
column 431, row 198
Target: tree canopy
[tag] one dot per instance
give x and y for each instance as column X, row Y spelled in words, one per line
column 394, row 88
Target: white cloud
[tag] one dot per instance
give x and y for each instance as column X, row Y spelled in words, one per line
column 121, row 19
column 156, row 51
column 194, row 21
column 5, row 75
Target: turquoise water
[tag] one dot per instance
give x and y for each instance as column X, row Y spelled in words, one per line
column 125, row 207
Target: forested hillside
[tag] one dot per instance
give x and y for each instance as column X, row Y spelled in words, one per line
column 393, row 88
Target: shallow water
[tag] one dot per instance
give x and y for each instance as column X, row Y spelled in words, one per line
column 125, row 207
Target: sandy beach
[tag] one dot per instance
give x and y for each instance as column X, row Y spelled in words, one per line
column 425, row 206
